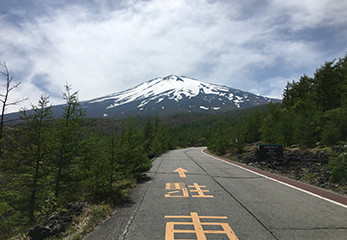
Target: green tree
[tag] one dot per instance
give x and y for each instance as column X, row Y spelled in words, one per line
column 35, row 152
column 297, row 91
column 113, row 164
column 69, row 131
column 132, row 157
column 327, row 87
column 161, row 141
column 342, row 75
column 307, row 125
column 277, row 126
column 219, row 142
column 94, row 168
column 149, row 134
column 335, row 124
column 338, row 168
column 252, row 125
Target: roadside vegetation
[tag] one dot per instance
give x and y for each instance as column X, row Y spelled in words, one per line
column 314, row 110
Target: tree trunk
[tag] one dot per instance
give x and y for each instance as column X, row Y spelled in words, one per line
column 33, row 192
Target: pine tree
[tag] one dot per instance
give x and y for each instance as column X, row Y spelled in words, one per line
column 298, row 91
column 68, row 135
column 342, row 75
column 148, row 133
column 220, row 139
column 251, row 127
column 327, row 87
column 36, row 149
column 133, row 158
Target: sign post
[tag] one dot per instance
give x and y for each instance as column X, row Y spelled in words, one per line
column 267, row 151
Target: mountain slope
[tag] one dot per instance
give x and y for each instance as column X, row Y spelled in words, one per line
column 172, row 94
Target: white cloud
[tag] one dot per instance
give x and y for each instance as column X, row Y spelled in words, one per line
column 105, row 51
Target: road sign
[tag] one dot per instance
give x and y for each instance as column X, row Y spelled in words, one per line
column 271, row 150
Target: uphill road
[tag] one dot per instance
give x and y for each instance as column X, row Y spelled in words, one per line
column 191, row 195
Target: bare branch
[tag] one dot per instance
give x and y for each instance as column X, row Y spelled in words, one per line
column 9, row 85
column 14, row 86
column 17, row 102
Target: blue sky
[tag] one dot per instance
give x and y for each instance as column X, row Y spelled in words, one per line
column 102, row 47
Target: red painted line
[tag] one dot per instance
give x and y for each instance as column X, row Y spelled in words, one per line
column 309, row 188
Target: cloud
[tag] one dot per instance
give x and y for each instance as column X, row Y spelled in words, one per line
column 42, row 82
column 310, row 13
column 103, row 47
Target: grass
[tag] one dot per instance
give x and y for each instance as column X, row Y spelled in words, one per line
column 92, row 216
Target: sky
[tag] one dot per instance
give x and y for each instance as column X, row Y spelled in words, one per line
column 101, row 47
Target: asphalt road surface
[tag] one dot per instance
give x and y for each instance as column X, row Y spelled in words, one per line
column 193, row 196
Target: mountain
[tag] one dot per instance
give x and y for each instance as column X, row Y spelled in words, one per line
column 168, row 95
column 172, row 94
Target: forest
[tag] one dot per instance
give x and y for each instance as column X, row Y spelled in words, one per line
column 314, row 109
column 47, row 162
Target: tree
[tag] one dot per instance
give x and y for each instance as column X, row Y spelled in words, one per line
column 334, row 128
column 68, row 131
column 9, row 85
column 277, row 125
column 132, row 157
column 95, row 169
column 327, row 87
column 36, row 148
column 341, row 68
column 338, row 167
column 220, row 139
column 269, row 129
column 148, row 133
column 161, row 141
column 297, row 91
column 252, row 126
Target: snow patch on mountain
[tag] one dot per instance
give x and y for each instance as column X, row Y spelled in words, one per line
column 171, row 87
column 173, row 94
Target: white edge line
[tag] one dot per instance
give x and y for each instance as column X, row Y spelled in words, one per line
column 275, row 180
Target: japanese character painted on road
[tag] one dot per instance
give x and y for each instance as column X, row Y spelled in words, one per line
column 201, row 229
column 180, row 190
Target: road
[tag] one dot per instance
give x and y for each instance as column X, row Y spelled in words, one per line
column 210, row 199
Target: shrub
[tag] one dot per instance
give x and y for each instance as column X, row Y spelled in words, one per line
column 338, row 168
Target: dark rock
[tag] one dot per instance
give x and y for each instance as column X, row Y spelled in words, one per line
column 56, row 224
column 40, row 232
column 75, row 208
column 143, row 179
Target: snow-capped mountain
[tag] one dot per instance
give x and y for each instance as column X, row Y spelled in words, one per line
column 172, row 94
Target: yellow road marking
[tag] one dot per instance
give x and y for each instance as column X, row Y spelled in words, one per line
column 180, row 188
column 198, row 227
column 199, row 191
column 181, row 172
